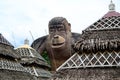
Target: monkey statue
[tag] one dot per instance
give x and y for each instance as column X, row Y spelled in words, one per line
column 59, row 43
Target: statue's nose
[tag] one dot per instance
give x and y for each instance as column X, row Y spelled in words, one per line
column 56, row 36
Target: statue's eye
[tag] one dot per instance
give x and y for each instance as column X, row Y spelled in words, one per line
column 52, row 29
column 60, row 28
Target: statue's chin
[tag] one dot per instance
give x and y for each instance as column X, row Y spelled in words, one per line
column 58, row 45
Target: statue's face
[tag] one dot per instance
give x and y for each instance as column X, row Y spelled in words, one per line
column 59, row 34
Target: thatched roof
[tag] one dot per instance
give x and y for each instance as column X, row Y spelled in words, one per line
column 111, row 22
column 6, row 48
column 29, row 55
column 27, row 51
column 101, row 35
column 33, row 61
column 4, row 41
column 8, row 56
column 11, row 65
column 81, row 66
column 111, row 73
column 39, row 72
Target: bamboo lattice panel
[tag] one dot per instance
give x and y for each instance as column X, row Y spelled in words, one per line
column 99, row 59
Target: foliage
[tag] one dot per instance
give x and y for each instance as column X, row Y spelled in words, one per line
column 45, row 56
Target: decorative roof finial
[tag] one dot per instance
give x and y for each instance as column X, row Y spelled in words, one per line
column 112, row 6
column 26, row 41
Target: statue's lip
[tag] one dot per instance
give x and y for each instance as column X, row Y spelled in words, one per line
column 57, row 45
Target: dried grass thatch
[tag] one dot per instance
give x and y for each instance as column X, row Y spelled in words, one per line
column 111, row 73
column 33, row 62
column 4, row 41
column 11, row 65
column 8, row 51
column 100, row 36
column 31, row 56
column 38, row 72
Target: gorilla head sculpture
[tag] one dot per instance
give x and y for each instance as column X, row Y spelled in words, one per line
column 58, row 44
column 59, row 32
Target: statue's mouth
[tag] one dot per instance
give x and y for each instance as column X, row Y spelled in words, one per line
column 58, row 42
column 57, row 45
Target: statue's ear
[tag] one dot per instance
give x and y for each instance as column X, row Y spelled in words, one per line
column 69, row 24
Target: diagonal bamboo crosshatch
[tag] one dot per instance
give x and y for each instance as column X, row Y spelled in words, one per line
column 109, row 23
column 99, row 59
column 11, row 65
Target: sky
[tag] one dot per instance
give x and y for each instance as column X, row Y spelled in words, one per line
column 21, row 19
